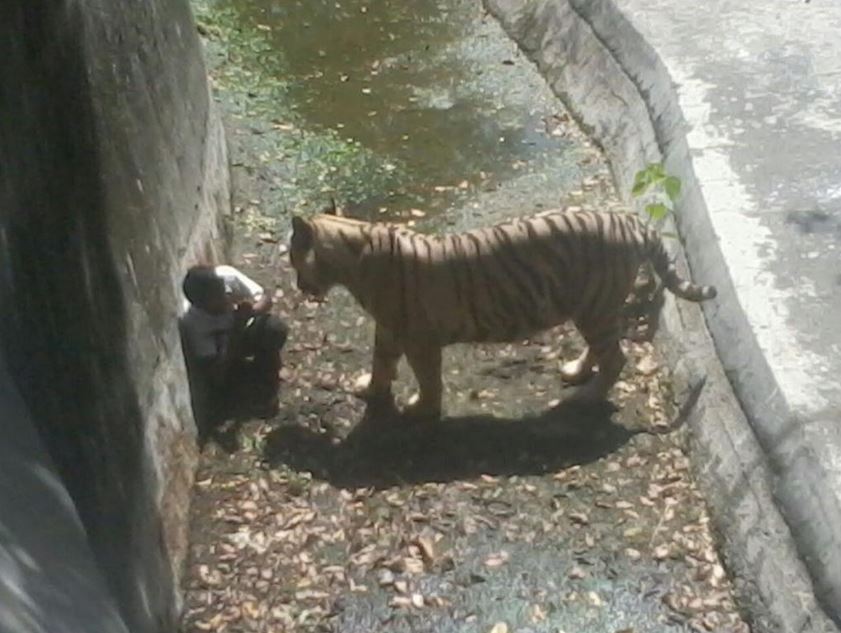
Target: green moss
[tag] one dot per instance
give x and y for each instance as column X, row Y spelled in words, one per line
column 308, row 163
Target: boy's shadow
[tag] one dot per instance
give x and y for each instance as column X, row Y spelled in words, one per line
column 386, row 450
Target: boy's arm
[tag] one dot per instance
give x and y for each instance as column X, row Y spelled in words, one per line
column 246, row 290
column 263, row 304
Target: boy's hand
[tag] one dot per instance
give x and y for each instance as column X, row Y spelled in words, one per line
column 263, row 305
column 243, row 311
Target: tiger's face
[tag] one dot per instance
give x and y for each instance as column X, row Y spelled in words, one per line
column 311, row 278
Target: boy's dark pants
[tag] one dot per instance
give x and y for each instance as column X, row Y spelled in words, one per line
column 262, row 340
column 253, row 382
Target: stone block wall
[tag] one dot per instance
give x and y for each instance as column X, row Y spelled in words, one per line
column 113, row 178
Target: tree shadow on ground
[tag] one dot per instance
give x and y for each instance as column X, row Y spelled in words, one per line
column 387, row 449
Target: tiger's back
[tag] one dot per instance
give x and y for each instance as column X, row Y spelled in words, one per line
column 505, row 282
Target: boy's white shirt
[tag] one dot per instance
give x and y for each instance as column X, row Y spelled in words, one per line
column 207, row 333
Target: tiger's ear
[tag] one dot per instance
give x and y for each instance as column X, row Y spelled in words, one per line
column 302, row 233
column 334, row 209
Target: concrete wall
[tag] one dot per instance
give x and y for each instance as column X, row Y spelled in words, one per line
column 616, row 86
column 113, row 175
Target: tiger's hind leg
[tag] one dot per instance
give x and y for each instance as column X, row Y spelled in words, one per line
column 603, row 346
column 425, row 361
column 387, row 354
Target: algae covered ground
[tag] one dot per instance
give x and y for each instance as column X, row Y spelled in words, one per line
column 513, row 514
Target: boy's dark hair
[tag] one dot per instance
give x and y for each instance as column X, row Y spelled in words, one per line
column 201, row 284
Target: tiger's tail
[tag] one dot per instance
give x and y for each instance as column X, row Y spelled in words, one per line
column 667, row 272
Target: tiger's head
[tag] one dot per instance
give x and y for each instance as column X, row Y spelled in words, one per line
column 324, row 251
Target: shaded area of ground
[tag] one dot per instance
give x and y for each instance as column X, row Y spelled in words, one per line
column 515, row 512
column 381, row 452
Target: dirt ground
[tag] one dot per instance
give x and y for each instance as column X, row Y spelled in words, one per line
column 513, row 514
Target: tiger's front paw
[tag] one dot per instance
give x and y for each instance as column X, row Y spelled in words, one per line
column 378, row 403
column 576, row 372
column 383, row 410
column 591, row 392
column 422, row 411
column 365, row 389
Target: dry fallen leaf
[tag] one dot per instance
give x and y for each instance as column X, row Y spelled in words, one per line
column 401, row 602
column 412, row 565
column 385, row 578
column 427, row 549
column 538, row 614
column 361, row 382
column 647, row 366
column 576, row 573
column 632, row 532
column 496, row 560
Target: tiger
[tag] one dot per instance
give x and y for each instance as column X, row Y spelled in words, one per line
column 498, row 284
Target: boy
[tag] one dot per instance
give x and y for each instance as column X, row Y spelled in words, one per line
column 226, row 320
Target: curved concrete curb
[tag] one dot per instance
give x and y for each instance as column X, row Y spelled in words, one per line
column 779, row 541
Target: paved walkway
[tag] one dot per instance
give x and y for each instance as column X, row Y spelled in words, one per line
column 759, row 85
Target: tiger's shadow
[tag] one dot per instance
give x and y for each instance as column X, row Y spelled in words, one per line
column 387, row 450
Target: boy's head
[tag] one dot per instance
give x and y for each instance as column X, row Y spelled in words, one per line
column 205, row 290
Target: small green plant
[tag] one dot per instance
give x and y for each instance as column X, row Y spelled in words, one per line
column 663, row 189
